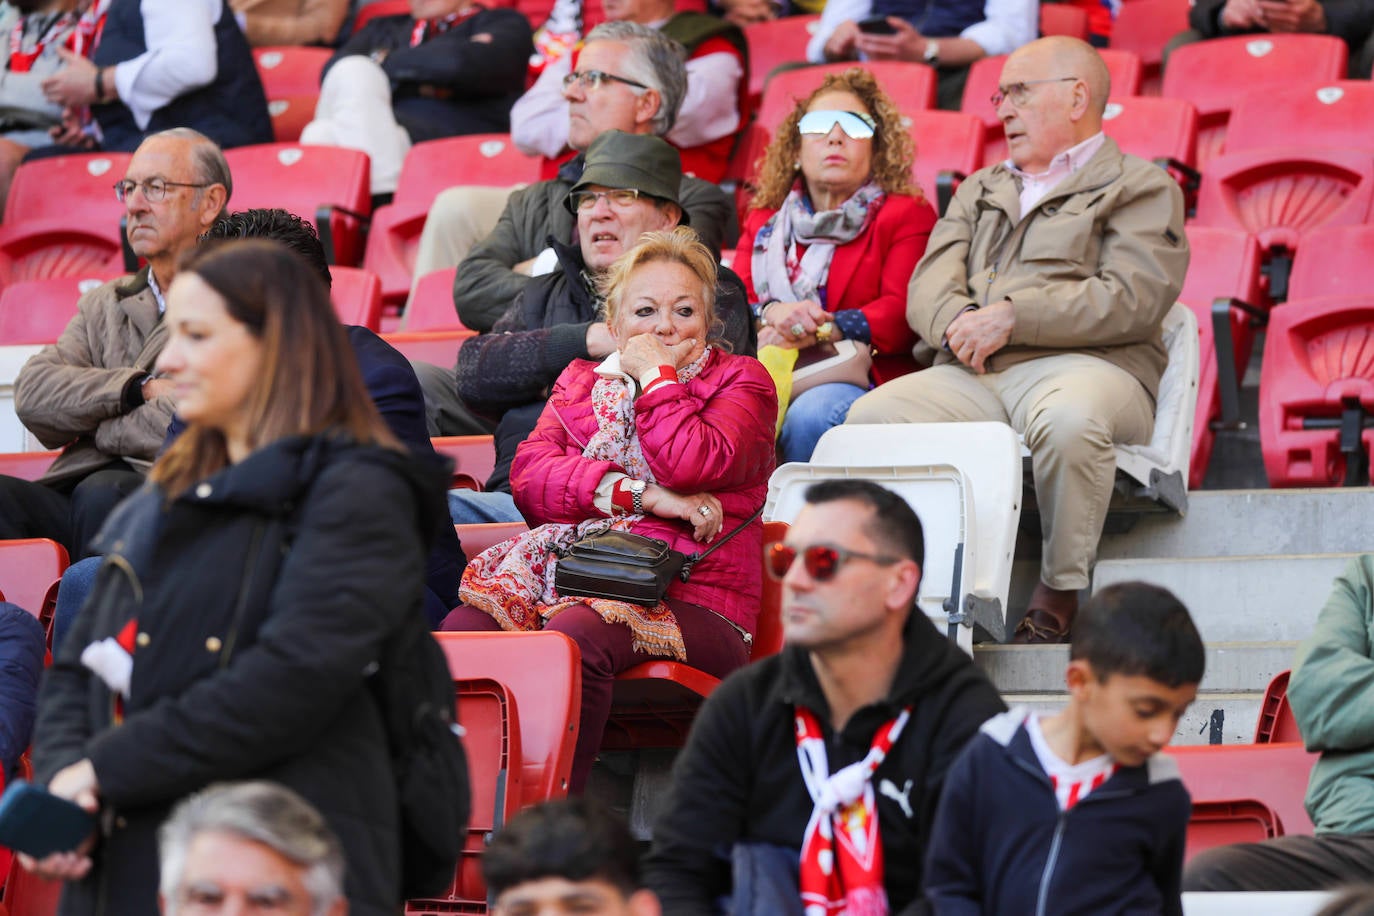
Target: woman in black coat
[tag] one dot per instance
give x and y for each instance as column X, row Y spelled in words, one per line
column 247, row 590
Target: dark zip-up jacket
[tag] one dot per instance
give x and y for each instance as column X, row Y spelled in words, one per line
column 1001, row 845
column 738, row 780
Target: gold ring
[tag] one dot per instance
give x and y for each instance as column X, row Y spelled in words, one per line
column 825, row 332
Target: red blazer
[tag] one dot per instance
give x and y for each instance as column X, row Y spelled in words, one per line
column 871, row 273
column 712, row 435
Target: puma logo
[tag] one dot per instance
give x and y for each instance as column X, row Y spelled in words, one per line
column 902, row 797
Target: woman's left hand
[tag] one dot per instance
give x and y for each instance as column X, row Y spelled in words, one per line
column 701, row 510
column 646, row 351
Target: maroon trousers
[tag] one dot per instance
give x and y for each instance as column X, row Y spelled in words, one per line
column 713, row 645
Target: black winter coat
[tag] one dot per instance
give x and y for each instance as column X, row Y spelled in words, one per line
column 261, row 596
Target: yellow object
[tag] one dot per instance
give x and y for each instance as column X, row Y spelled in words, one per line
column 779, row 361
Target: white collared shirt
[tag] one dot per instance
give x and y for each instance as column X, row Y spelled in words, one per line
column 1035, row 187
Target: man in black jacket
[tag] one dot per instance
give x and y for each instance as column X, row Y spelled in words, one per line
column 630, row 185
column 839, row 743
column 452, row 67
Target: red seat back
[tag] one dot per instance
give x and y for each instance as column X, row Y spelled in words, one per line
column 326, row 185
column 1225, row 263
column 1317, row 354
column 1333, row 261
column 1273, row 774
column 768, row 631
column 431, row 306
column 1145, row 27
column 437, row 347
column 86, row 182
column 38, row 311
column 1063, row 19
column 474, row 456
column 1280, row 194
column 1215, row 74
column 26, row 894
column 291, row 81
column 26, row 465
column 1153, row 128
column 1311, row 114
column 477, row 538
column 774, row 43
column 1221, row 823
column 357, row 297
column 946, row 141
column 378, row 9
column 30, row 570
column 1276, row 723
column 911, row 87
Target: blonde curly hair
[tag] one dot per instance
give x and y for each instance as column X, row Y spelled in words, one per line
column 893, row 151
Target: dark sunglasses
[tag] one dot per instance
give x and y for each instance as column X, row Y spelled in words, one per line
column 822, row 561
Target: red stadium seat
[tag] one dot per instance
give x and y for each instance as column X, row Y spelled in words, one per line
column 1276, row 723
column 985, row 73
column 654, row 702
column 291, row 81
column 949, row 148
column 517, row 696
column 1272, row 774
column 38, row 311
column 1220, row 823
column 30, row 570
column 357, row 296
column 26, row 465
column 1161, row 130
column 1145, row 27
column 73, row 233
column 774, row 43
column 1215, row 74
column 430, row 167
column 1063, row 19
column 431, row 307
column 327, row 185
column 1310, row 115
column 26, row 894
column 378, row 9
column 1224, row 272
column 1279, row 195
column 477, row 538
column 1316, row 413
column 1334, row 261
column 473, row 456
column 437, row 347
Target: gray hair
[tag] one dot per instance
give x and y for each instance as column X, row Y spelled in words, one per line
column 210, row 165
column 260, row 812
column 655, row 60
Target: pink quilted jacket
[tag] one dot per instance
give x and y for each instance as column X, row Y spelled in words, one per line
column 713, row 435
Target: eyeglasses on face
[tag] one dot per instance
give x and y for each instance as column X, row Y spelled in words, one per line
column 856, row 125
column 154, row 189
column 593, row 80
column 1019, row 93
column 618, row 198
column 822, row 561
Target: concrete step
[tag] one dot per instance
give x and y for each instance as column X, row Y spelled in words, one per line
column 1251, row 523
column 1216, row 718
column 1232, row 667
column 1239, row 598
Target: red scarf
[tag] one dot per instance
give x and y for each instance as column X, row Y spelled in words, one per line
column 21, row 61
column 89, row 27
column 842, row 851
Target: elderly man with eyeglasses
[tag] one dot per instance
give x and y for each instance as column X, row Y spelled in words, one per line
column 629, row 78
column 629, row 186
column 93, row 393
column 1042, row 291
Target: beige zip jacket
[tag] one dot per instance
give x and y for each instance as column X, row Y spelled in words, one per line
column 1092, row 269
column 76, row 392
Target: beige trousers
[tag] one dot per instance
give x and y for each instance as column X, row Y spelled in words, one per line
column 1071, row 408
column 354, row 111
column 458, row 219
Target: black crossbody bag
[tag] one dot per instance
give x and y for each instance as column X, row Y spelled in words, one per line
column 628, row 567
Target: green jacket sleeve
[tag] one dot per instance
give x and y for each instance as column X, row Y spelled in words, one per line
column 1333, row 674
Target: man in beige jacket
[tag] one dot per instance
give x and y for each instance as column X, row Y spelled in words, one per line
column 1042, row 291
column 93, row 392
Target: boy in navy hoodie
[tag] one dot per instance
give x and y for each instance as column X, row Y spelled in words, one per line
column 1078, row 812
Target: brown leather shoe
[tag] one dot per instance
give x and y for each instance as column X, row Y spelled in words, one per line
column 1041, row 627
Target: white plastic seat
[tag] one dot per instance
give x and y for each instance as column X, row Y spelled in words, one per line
column 989, row 457
column 943, row 501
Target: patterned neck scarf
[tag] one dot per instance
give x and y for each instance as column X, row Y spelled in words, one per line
column 779, row 273
column 842, row 850
column 613, row 395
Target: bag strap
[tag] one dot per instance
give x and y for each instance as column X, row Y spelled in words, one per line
column 695, row 558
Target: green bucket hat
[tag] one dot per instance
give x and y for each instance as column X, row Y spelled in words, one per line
column 644, row 162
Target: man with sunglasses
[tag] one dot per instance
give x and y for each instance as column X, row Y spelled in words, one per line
column 832, row 753
column 1043, row 290
column 93, row 391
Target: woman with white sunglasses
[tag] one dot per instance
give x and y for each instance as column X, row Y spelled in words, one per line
column 836, row 228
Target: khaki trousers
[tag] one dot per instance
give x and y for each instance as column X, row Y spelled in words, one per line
column 458, row 219
column 1071, row 408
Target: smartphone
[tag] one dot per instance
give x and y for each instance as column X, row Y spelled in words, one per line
column 34, row 821
column 877, row 25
